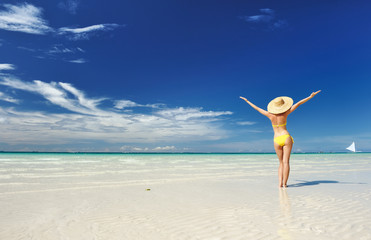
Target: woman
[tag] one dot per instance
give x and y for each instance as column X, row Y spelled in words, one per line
column 278, row 110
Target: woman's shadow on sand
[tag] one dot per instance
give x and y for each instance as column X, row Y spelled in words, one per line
column 312, row 183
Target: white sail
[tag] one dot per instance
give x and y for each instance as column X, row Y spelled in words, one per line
column 352, row 147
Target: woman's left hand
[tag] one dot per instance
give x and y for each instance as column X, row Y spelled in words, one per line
column 314, row 93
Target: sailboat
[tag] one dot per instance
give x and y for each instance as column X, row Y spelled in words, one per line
column 352, row 147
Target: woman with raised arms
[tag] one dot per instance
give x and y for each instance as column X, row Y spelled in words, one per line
column 278, row 111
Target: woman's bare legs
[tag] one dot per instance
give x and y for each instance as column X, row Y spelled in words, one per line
column 286, row 162
column 279, row 152
column 283, row 154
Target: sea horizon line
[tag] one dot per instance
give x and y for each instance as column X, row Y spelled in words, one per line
column 98, row 152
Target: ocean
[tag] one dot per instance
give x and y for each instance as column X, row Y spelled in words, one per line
column 47, row 171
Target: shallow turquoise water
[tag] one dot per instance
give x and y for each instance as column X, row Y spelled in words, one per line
column 47, row 168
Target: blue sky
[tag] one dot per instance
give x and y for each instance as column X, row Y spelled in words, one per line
column 78, row 75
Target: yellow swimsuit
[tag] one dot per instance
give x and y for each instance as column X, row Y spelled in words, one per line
column 280, row 125
column 280, row 140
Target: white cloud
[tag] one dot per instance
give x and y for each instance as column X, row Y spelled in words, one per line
column 259, row 18
column 55, row 93
column 166, row 148
column 84, row 120
column 189, row 113
column 121, row 104
column 246, row 123
column 80, row 60
column 23, row 18
column 267, row 11
column 146, row 149
column 27, row 49
column 59, row 51
column 134, row 149
column 58, row 48
column 82, row 100
column 86, row 32
column 7, row 98
column 6, row 66
column 70, row 6
column 28, row 18
column 268, row 17
column 99, row 27
column 280, row 24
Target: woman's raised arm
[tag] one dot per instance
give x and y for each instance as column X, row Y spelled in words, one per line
column 296, row 105
column 262, row 111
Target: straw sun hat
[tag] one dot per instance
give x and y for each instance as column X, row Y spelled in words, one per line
column 280, row 105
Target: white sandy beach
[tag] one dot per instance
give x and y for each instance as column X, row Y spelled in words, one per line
column 46, row 196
